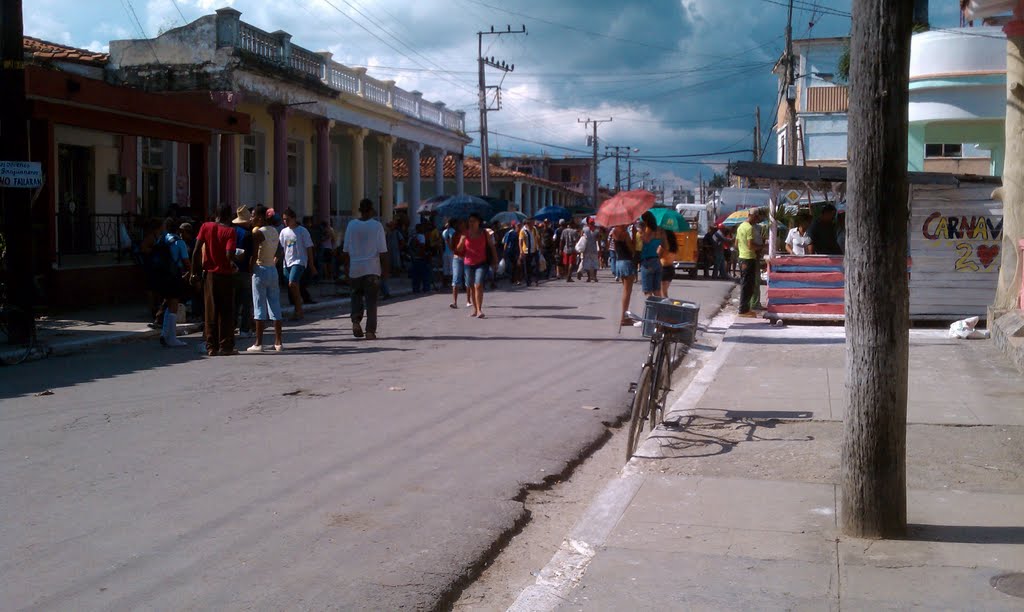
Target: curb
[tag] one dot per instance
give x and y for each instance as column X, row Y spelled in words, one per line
column 72, row 347
column 568, row 565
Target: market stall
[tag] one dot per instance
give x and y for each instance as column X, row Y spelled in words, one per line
column 954, row 234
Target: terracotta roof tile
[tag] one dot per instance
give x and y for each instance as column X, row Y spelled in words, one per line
column 45, row 50
column 471, row 170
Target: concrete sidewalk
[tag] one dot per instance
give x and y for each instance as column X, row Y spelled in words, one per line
column 75, row 332
column 733, row 502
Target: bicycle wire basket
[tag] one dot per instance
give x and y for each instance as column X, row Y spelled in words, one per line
column 667, row 310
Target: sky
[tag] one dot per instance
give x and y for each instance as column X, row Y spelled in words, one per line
column 677, row 77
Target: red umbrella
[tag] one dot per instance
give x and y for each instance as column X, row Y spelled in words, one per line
column 625, row 207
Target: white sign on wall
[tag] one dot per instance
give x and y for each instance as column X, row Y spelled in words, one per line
column 20, row 174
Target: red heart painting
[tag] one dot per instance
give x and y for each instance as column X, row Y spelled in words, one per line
column 986, row 254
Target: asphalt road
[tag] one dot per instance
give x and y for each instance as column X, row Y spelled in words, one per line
column 341, row 474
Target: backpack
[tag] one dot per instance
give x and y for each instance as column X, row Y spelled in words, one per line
column 162, row 258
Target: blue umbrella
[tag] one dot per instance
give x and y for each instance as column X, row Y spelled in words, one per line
column 461, row 206
column 553, row 213
column 431, row 205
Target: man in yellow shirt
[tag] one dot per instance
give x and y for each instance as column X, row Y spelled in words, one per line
column 749, row 269
column 529, row 247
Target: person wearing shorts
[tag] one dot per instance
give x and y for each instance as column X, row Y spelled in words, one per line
column 298, row 254
column 266, row 291
column 477, row 248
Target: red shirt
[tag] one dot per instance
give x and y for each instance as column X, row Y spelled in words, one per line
column 219, row 240
column 476, row 250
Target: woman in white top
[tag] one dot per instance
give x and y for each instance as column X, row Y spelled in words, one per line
column 798, row 242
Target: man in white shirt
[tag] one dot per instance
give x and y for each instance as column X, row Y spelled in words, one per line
column 365, row 258
column 298, row 255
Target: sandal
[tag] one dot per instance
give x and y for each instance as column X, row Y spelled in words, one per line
column 455, row 306
column 481, row 316
column 626, row 322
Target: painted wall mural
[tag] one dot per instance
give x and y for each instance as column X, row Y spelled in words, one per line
column 975, row 239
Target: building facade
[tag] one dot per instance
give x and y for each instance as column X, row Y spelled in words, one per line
column 571, row 173
column 323, row 135
column 109, row 155
column 957, row 102
column 821, row 104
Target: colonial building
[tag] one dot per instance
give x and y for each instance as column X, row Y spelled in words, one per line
column 572, row 173
column 323, row 135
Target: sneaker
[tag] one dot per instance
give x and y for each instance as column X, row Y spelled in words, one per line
column 357, row 330
column 256, row 348
column 278, row 347
column 371, row 335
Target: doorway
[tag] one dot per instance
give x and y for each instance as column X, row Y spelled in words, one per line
column 74, row 206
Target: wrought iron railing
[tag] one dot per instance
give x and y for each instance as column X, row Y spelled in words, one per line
column 91, row 234
column 277, row 47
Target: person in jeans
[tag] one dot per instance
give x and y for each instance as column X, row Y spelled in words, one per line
column 266, row 292
column 477, row 249
column 298, row 255
column 749, row 268
column 216, row 260
column 451, row 242
column 366, row 262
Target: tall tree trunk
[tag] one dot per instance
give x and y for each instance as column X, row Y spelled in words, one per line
column 874, row 497
column 1008, row 289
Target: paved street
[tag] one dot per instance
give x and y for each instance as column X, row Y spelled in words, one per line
column 341, row 474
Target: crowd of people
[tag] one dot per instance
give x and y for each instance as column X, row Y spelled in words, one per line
column 234, row 268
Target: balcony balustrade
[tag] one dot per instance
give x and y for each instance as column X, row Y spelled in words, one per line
column 276, row 47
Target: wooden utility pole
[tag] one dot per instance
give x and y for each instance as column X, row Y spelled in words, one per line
column 483, row 102
column 874, row 491
column 791, row 157
column 593, row 170
column 15, row 203
column 757, row 133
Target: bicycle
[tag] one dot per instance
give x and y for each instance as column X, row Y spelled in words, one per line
column 669, row 343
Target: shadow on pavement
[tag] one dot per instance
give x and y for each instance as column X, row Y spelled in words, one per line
column 965, row 534
column 765, row 340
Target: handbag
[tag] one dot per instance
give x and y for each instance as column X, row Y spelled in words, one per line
column 542, row 265
column 581, row 244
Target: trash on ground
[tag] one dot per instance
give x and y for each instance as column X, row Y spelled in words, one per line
column 965, row 330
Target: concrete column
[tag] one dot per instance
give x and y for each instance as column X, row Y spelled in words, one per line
column 527, row 200
column 534, row 199
column 387, row 205
column 323, row 168
column 414, row 149
column 227, row 170
column 460, row 178
column 280, row 116
column 517, row 196
column 551, row 197
column 358, row 167
column 915, row 147
column 439, row 155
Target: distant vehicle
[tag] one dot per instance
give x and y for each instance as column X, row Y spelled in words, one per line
column 691, row 256
column 732, row 199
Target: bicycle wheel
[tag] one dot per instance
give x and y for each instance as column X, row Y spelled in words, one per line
column 639, row 413
column 661, row 380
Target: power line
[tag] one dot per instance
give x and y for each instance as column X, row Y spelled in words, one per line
column 180, row 14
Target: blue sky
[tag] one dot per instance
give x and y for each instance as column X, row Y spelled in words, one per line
column 677, row 76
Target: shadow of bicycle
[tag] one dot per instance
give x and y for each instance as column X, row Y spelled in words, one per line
column 708, row 433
